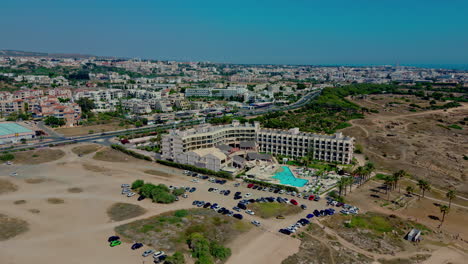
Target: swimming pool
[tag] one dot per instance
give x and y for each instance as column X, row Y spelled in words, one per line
column 287, row 177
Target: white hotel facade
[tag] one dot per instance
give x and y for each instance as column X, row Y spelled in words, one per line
column 292, row 142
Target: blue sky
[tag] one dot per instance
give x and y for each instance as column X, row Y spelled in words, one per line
column 275, row 31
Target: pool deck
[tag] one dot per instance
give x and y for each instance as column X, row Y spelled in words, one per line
column 265, row 173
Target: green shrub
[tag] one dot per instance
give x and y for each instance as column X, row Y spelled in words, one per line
column 178, row 191
column 219, row 251
column 358, row 149
column 177, row 258
column 7, row 157
column 454, row 126
column 137, row 184
column 181, row 213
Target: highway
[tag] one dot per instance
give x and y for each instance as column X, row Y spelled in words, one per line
column 103, row 138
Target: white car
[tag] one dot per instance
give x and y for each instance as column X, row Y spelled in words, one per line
column 184, row 195
column 215, row 190
column 255, row 223
column 281, row 192
column 8, row 163
column 14, row 174
column 186, row 172
column 130, row 194
column 247, row 195
column 195, row 180
column 250, row 212
column 158, row 254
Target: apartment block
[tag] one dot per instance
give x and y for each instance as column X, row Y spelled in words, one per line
column 293, row 143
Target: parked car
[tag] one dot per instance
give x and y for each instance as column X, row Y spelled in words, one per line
column 255, row 223
column 303, row 206
column 192, row 189
column 130, row 194
column 159, row 253
column 294, row 202
column 242, row 206
column 206, row 205
column 310, row 216
column 147, row 252
column 235, row 208
column 250, row 212
column 113, row 238
column 312, row 197
column 125, row 186
column 141, row 198
column 238, row 216
column 280, row 217
column 250, row 185
column 136, row 246
column 247, row 195
column 115, row 243
column 285, row 231
column 184, row 195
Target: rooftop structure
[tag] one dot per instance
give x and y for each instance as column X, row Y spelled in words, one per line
column 13, row 132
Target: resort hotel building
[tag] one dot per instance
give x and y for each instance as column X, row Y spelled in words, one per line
column 219, row 147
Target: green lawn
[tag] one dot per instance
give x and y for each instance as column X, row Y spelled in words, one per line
column 268, row 210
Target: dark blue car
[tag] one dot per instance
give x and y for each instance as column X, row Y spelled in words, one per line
column 113, row 238
column 137, row 246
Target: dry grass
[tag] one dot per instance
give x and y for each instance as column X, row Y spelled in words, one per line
column 421, row 143
column 169, row 231
column 158, row 173
column 6, row 186
column 75, row 190
column 11, row 227
column 34, row 180
column 269, row 210
column 55, row 201
column 112, row 155
column 85, row 149
column 84, row 130
column 38, row 156
column 18, row 202
column 124, row 211
column 94, row 168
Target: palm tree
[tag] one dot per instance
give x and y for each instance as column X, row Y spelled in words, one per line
column 369, row 168
column 350, row 181
column 398, row 175
column 444, row 209
column 360, row 172
column 424, row 186
column 388, row 183
column 451, row 194
column 341, row 184
column 409, row 189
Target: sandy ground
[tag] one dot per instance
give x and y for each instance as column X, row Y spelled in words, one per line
column 419, row 142
column 77, row 230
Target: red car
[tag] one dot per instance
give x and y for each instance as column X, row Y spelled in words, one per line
column 294, row 202
column 250, row 185
column 312, row 197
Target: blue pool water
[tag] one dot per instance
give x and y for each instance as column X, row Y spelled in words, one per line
column 286, row 177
